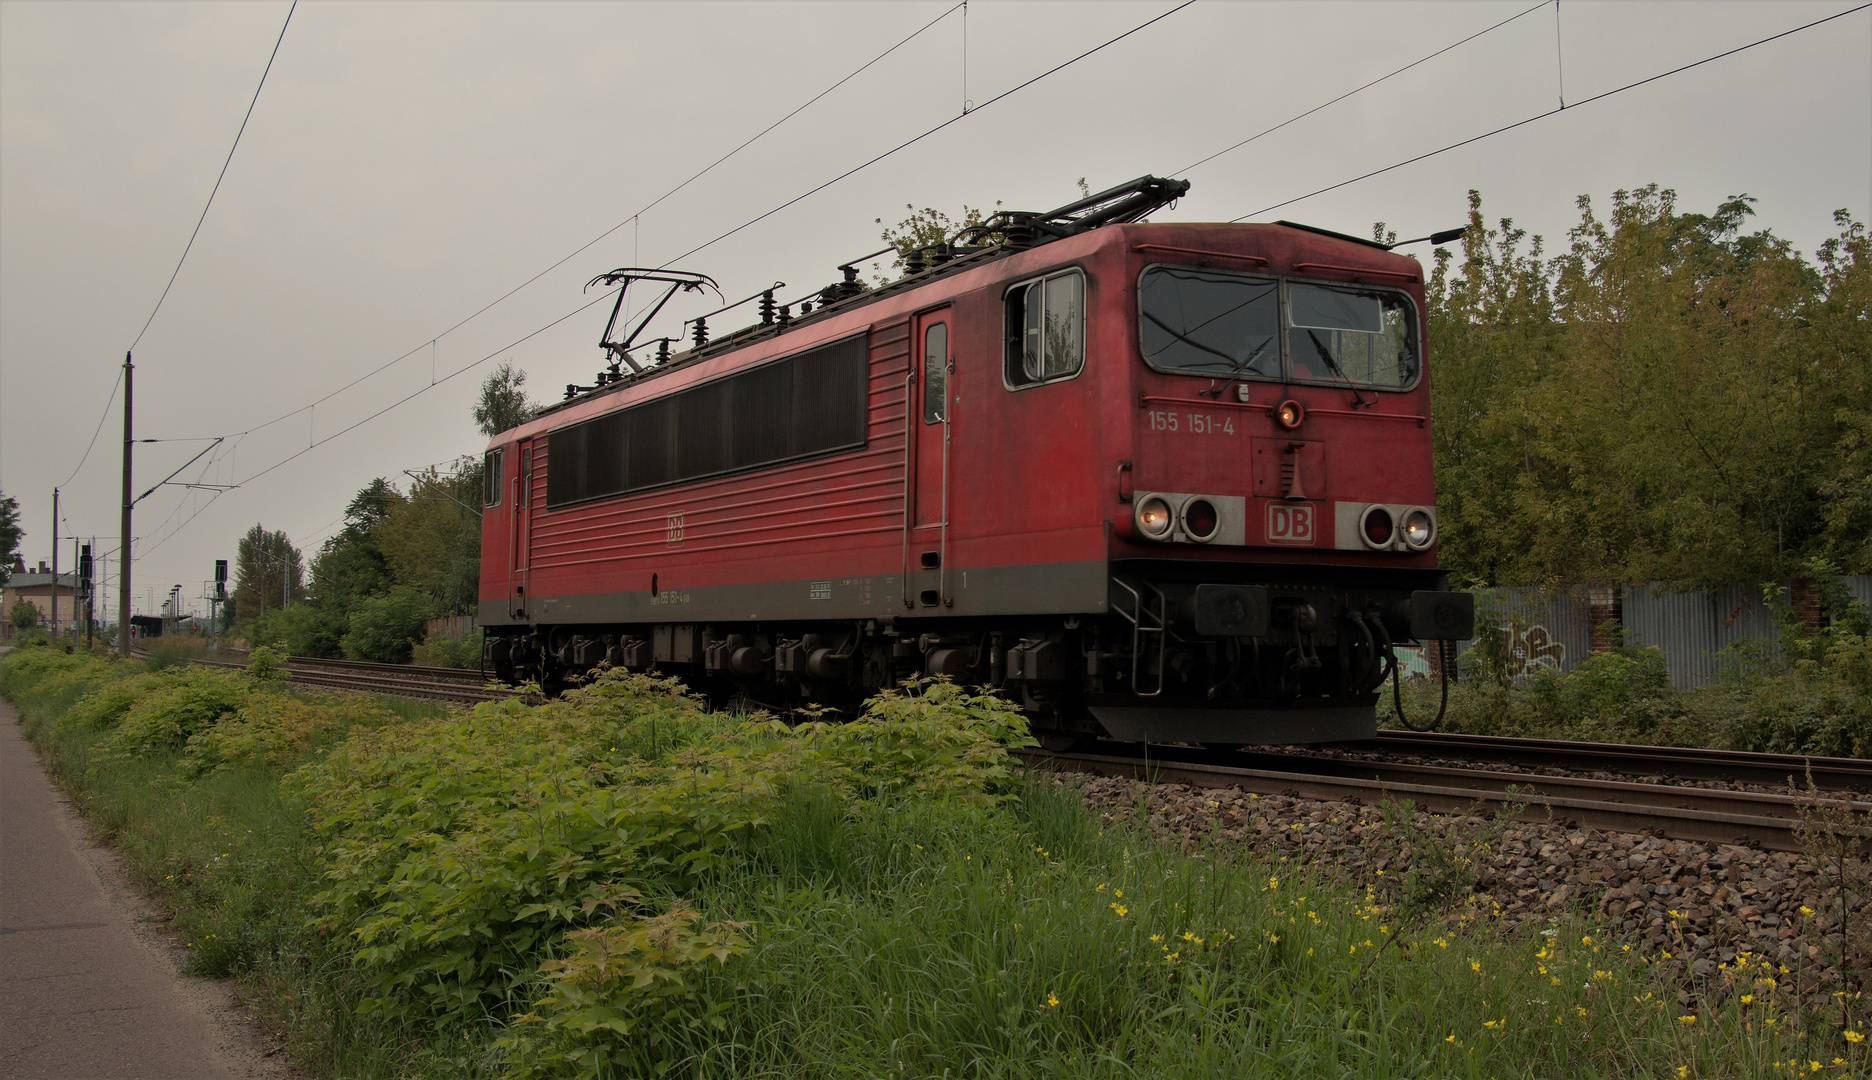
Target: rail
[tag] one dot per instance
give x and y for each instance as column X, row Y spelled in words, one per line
column 1711, row 815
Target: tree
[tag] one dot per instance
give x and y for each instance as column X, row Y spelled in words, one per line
column 1671, row 399
column 431, row 540
column 350, row 565
column 10, row 534
column 504, row 404
column 24, row 615
column 384, row 628
column 268, row 570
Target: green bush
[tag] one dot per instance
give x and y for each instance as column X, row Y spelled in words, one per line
column 462, row 847
column 303, row 629
column 24, row 615
column 35, row 637
column 384, row 628
column 184, row 701
column 172, row 649
column 464, row 652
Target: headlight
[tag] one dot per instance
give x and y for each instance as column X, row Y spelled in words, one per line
column 1378, row 527
column 1154, row 518
column 1200, row 519
column 1289, row 413
column 1419, row 528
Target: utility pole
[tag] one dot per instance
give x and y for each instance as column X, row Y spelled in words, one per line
column 55, row 563
column 123, row 584
column 76, row 586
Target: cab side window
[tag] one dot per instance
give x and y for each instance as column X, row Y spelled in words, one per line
column 1044, row 330
column 491, row 479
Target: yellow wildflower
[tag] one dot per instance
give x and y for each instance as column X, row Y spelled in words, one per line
column 1492, row 1023
column 1748, row 999
column 1690, row 1019
column 1475, row 965
column 1052, row 1001
column 1156, row 938
column 1121, row 910
column 1855, row 1036
column 1805, row 910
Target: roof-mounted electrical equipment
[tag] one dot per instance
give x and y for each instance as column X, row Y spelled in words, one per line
column 618, row 352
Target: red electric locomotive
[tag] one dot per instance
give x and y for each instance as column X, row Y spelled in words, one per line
column 1168, row 482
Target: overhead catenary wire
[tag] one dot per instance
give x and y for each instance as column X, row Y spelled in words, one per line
column 1555, row 111
column 803, row 196
column 582, row 248
column 108, row 402
column 1359, row 90
column 609, row 294
column 186, row 248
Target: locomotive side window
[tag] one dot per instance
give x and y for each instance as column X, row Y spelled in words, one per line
column 1351, row 335
column 935, row 373
column 491, row 479
column 1045, row 330
column 1208, row 323
column 802, row 406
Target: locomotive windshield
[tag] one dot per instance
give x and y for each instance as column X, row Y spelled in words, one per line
column 1210, row 324
column 1203, row 322
column 1350, row 335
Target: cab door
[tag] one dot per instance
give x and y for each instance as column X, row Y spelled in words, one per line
column 932, row 428
column 520, row 544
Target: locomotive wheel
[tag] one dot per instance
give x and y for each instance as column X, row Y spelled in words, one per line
column 1062, row 742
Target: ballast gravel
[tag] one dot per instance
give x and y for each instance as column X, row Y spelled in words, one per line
column 1699, row 903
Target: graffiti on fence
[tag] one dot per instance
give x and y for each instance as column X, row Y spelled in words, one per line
column 1532, row 649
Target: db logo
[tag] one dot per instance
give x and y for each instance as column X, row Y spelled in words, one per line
column 1289, row 523
column 673, row 528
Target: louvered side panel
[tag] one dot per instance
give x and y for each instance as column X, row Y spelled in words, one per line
column 836, row 503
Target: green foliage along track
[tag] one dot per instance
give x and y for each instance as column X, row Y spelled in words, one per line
column 619, row 883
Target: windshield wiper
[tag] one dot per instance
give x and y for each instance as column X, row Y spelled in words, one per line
column 1358, row 399
column 1235, row 366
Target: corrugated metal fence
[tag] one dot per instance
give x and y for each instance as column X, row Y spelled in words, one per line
column 1553, row 629
column 453, row 627
column 1692, row 628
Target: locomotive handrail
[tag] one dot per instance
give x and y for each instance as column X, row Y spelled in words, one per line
column 1358, row 270
column 1202, row 252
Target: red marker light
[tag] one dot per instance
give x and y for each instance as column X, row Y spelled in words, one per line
column 1200, row 519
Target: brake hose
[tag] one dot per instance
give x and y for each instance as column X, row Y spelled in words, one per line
column 1397, row 694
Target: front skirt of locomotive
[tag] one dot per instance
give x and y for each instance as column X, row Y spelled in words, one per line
column 1195, row 720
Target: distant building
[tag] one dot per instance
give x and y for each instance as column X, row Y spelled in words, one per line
column 35, row 587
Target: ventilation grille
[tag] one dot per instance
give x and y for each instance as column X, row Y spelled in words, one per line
column 798, row 407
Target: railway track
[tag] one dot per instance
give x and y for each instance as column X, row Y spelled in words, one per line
column 457, row 685
column 1370, row 772
column 1680, row 763
column 1711, row 815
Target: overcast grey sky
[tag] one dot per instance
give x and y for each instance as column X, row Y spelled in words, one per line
column 407, row 163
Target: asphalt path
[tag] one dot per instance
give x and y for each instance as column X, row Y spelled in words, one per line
column 89, row 986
